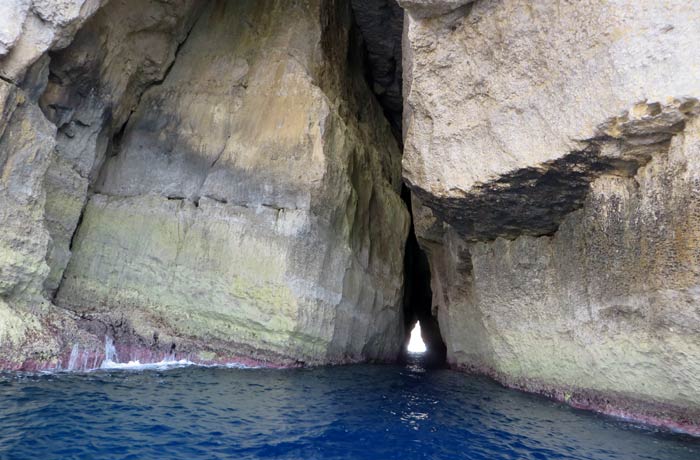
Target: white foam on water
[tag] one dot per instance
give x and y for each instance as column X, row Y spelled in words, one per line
column 111, row 362
column 137, row 366
column 167, row 364
column 78, row 362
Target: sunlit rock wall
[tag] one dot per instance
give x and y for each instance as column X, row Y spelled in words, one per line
column 60, row 111
column 210, row 179
column 93, row 87
column 250, row 206
column 552, row 149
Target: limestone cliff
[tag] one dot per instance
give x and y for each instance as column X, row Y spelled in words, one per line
column 214, row 179
column 552, row 149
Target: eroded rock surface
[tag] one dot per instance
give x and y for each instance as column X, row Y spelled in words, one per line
column 30, row 28
column 431, row 8
column 494, row 105
column 225, row 190
column 93, row 87
column 58, row 113
column 381, row 25
column 251, row 205
column 552, row 151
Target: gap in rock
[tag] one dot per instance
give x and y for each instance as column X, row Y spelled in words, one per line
column 418, row 297
column 416, row 345
column 380, row 23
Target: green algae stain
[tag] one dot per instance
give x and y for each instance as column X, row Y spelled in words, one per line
column 202, row 279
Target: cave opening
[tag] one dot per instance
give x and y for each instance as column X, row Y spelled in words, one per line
column 418, row 297
column 380, row 26
column 416, row 345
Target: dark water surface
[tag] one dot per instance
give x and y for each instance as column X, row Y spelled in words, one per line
column 354, row 412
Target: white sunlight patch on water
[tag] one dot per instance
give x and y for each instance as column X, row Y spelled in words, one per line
column 416, row 344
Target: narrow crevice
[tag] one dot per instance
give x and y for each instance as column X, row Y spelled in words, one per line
column 54, row 293
column 7, row 80
column 417, row 304
column 380, row 23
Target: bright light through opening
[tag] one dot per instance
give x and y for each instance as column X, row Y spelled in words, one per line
column 416, row 345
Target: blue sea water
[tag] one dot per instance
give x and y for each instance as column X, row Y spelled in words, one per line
column 352, row 412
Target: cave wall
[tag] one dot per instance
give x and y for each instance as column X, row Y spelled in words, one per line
column 216, row 179
column 29, row 29
column 552, row 151
column 380, row 23
column 93, row 87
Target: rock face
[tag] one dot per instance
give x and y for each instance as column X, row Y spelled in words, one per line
column 214, row 179
column 90, row 95
column 27, row 140
column 30, row 28
column 552, row 149
column 46, row 166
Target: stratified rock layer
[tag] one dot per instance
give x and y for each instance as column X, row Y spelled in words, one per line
column 502, row 96
column 251, row 205
column 90, row 95
column 552, row 149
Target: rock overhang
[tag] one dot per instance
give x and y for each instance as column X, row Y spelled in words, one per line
column 534, row 200
column 511, row 108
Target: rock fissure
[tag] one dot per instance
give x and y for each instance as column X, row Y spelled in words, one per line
column 418, row 298
column 7, row 80
column 381, row 25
